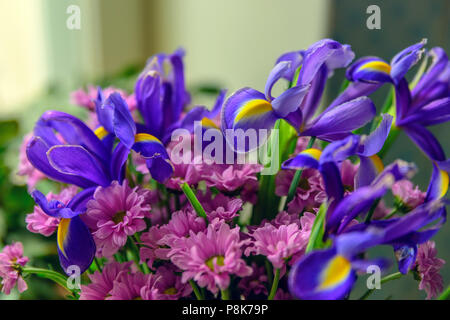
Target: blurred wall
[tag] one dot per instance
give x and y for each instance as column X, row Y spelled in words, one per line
column 23, row 67
column 233, row 43
column 236, row 42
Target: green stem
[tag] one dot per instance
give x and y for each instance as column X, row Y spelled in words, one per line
column 269, row 271
column 274, row 288
column 97, row 264
column 445, row 295
column 48, row 274
column 196, row 291
column 134, row 251
column 393, row 134
column 194, row 201
column 137, row 243
column 385, row 108
column 388, row 278
column 394, row 211
column 371, row 211
column 297, row 177
column 225, row 294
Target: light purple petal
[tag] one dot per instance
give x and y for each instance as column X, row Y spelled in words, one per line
column 344, row 118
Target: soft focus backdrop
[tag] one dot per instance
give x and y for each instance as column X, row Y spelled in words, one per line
column 229, row 44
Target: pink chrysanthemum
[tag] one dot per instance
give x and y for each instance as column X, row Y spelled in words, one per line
column 170, row 285
column 410, row 196
column 182, row 224
column 229, row 177
column 428, row 266
column 277, row 244
column 309, row 194
column 210, row 257
column 115, row 213
column 85, row 98
column 25, row 167
column 220, row 206
column 151, row 250
column 185, row 168
column 256, row 283
column 11, row 262
column 135, row 286
column 282, row 295
column 39, row 222
column 102, row 282
column 381, row 211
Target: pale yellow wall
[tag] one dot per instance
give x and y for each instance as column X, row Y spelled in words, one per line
column 233, row 42
column 23, row 69
column 237, row 41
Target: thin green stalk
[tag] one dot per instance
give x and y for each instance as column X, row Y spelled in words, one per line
column 269, row 271
column 390, row 214
column 137, row 243
column 48, row 274
column 385, row 108
column 177, row 202
column 225, row 294
column 371, row 211
column 297, row 177
column 194, row 201
column 197, row 293
column 134, row 252
column 445, row 295
column 97, row 264
column 274, row 288
column 388, row 278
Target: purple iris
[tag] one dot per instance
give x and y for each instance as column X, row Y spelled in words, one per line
column 116, row 121
column 75, row 244
column 331, row 273
column 427, row 104
column 250, row 109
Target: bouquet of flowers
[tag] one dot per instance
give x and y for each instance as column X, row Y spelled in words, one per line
column 257, row 197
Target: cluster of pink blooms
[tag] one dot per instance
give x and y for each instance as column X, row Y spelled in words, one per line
column 175, row 250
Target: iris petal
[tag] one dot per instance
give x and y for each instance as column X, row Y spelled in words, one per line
column 321, row 275
column 75, row 160
column 76, row 246
column 343, row 119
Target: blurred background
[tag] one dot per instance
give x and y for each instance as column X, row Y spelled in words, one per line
column 229, row 44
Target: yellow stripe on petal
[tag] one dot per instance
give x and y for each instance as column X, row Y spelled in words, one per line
column 145, row 137
column 444, row 180
column 208, row 123
column 377, row 163
column 253, row 108
column 378, row 66
column 313, row 153
column 101, row 132
column 336, row 272
column 63, row 229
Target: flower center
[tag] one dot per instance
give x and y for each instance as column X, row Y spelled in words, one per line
column 170, row 291
column 118, row 217
column 304, row 184
column 219, row 261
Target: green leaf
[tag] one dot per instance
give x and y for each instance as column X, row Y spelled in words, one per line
column 318, row 230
